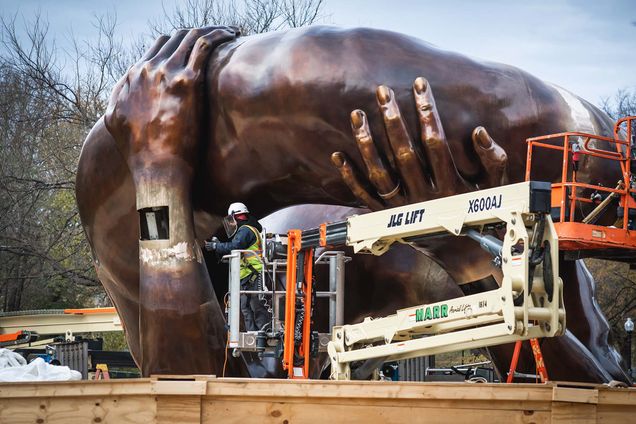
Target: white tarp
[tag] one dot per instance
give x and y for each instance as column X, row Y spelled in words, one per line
column 13, row 367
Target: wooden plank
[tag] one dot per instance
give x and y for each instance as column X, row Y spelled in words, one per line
column 567, row 394
column 196, row 399
column 570, row 412
column 616, row 405
column 484, row 406
column 63, row 410
column 178, row 409
column 617, row 396
column 178, row 388
column 131, row 386
column 293, row 389
column 378, row 390
column 190, row 377
column 246, row 412
column 615, row 414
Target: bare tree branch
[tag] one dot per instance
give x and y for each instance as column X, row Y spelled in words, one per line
column 622, row 104
column 251, row 16
column 77, row 277
column 301, row 13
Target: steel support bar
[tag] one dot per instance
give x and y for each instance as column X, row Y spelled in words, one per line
column 333, row 286
column 60, row 323
column 340, row 287
column 235, row 298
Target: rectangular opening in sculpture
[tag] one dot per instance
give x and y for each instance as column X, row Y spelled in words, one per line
column 154, row 223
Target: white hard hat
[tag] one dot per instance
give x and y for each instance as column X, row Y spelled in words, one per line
column 237, row 207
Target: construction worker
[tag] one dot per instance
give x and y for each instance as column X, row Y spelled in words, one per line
column 243, row 230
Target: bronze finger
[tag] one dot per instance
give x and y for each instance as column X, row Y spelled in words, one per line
column 445, row 176
column 205, row 45
column 180, row 56
column 377, row 172
column 110, row 114
column 351, row 180
column 170, row 46
column 408, row 163
column 152, row 51
column 114, row 96
column 492, row 156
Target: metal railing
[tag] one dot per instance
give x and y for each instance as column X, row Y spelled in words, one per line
column 573, row 144
column 336, row 261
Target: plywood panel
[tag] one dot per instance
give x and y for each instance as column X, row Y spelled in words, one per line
column 569, row 412
column 74, row 388
column 378, row 390
column 194, row 400
column 247, row 412
column 568, row 394
column 616, row 414
column 65, row 410
column 178, row 409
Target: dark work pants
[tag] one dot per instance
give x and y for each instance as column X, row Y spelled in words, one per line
column 254, row 312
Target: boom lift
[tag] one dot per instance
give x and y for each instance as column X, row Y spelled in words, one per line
column 528, row 304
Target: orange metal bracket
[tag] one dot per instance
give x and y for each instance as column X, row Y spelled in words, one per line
column 323, row 235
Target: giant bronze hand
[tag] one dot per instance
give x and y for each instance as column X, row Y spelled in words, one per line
column 153, row 110
column 423, row 170
column 154, row 118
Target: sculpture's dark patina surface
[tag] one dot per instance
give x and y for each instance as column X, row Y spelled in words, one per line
column 268, row 120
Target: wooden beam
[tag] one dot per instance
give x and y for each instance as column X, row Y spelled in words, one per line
column 206, row 399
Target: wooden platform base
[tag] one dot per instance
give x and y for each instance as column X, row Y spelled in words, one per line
column 205, row 399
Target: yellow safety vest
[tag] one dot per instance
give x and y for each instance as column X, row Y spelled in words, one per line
column 251, row 261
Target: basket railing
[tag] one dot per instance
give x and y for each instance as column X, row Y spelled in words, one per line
column 575, row 144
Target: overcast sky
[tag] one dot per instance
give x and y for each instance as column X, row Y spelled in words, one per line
column 588, row 47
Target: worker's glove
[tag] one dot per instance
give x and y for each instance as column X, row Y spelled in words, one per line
column 212, row 244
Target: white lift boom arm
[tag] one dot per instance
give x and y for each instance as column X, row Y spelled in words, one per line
column 528, row 304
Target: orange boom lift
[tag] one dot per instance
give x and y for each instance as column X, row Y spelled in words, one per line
column 579, row 231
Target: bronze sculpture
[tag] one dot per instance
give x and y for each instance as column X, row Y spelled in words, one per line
column 195, row 125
